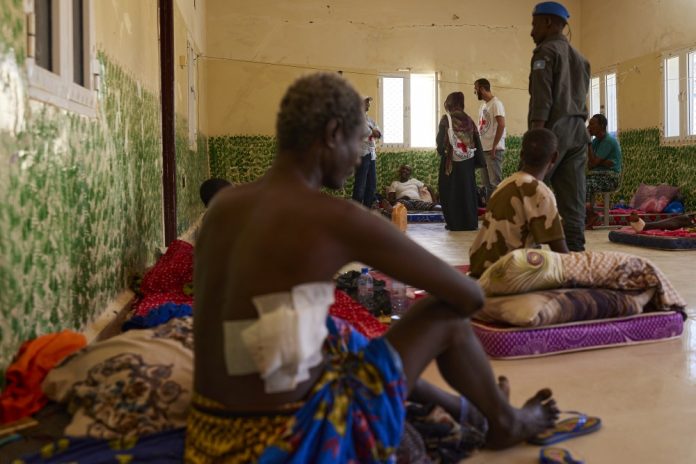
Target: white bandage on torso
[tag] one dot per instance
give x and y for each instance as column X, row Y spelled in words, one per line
column 285, row 341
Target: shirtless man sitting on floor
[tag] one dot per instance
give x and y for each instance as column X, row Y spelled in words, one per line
column 275, row 378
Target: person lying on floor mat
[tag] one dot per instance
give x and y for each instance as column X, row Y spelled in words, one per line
column 275, row 379
column 522, row 211
column 673, row 223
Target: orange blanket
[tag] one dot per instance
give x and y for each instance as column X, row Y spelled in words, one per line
column 23, row 395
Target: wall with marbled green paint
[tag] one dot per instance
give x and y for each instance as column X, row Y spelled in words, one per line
column 80, row 207
column 192, row 169
column 80, row 197
column 245, row 158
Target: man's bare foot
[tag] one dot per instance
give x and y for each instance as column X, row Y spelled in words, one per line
column 517, row 425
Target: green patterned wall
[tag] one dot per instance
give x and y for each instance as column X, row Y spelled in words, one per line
column 245, row 158
column 192, row 169
column 646, row 161
column 80, row 197
column 80, row 208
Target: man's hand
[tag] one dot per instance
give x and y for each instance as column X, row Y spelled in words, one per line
column 493, row 151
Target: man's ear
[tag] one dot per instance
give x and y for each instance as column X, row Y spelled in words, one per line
column 554, row 157
column 332, row 133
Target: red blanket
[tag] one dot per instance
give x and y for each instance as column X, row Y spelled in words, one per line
column 356, row 315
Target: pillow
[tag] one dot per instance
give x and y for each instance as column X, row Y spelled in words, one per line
column 563, row 305
column 521, row 271
column 653, row 198
column 133, row 384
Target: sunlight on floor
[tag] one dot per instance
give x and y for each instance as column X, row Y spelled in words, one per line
column 644, row 394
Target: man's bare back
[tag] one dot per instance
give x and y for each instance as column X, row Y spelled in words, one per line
column 280, row 232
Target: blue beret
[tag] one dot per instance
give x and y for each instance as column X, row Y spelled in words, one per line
column 551, row 8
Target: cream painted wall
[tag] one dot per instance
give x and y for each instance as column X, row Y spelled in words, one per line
column 631, row 36
column 189, row 25
column 462, row 39
column 620, row 30
column 126, row 30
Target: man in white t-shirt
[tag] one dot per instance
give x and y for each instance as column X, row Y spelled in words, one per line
column 410, row 192
column 492, row 130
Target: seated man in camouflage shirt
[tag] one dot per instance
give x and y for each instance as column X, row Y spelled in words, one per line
column 522, row 211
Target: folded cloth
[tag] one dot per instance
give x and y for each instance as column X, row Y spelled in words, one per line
column 355, row 413
column 22, row 395
column 147, row 303
column 158, row 316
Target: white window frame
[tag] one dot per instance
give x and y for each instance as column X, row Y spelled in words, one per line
column 406, row 76
column 603, row 106
column 685, row 103
column 57, row 87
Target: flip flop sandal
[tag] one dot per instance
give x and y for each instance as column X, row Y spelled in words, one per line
column 580, row 424
column 557, row 456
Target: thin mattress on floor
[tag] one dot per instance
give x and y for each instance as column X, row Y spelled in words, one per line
column 662, row 240
column 504, row 342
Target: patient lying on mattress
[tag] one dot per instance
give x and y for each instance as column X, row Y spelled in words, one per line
column 275, row 379
column 683, row 221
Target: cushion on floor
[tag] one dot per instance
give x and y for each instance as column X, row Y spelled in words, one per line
column 628, row 236
column 511, row 343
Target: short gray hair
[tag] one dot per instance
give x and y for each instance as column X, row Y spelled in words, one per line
column 310, row 103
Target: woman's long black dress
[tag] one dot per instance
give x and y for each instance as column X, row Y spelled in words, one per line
column 458, row 188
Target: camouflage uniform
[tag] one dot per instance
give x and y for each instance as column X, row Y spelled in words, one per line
column 522, row 213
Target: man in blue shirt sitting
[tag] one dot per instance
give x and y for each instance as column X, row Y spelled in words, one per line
column 603, row 162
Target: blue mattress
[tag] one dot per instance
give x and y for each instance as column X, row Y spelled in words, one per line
column 629, row 237
column 425, row 216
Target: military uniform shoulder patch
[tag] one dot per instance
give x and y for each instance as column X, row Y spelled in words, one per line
column 539, row 64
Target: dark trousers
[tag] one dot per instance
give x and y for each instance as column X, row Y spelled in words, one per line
column 365, row 185
column 568, row 182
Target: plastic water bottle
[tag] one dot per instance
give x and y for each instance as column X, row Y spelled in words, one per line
column 365, row 287
column 399, row 300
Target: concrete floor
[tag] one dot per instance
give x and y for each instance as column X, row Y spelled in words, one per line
column 645, row 394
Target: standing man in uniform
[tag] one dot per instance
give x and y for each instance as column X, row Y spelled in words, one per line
column 558, row 83
column 492, row 130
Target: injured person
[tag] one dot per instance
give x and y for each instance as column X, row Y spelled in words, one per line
column 410, row 192
column 683, row 221
column 277, row 380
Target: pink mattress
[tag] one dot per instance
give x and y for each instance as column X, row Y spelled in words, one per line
column 512, row 343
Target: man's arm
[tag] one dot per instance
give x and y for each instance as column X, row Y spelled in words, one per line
column 559, row 246
column 498, row 134
column 377, row 243
column 541, row 88
column 593, row 160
